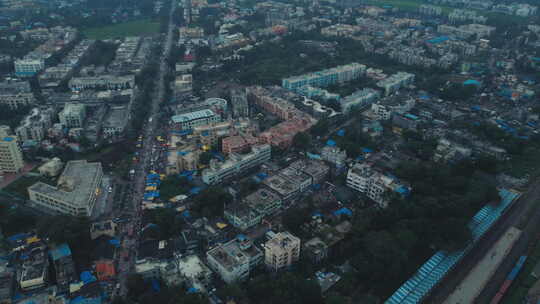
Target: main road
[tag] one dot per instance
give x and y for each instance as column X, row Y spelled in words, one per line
column 126, row 266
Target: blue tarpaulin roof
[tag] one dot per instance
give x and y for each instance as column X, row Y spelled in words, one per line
column 17, row 237
column 341, row 132
column 343, row 211
column 367, row 150
column 87, row 277
column 438, row 39
column 471, row 82
column 186, row 214
column 331, row 143
column 192, row 290
column 114, row 242
column 59, row 252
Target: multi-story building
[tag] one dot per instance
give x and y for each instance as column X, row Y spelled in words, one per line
column 359, row 99
column 234, row 260
column 76, row 192
column 35, row 269
column 340, row 30
column 11, row 158
column 395, row 82
column 364, row 178
column 263, row 201
column 188, row 121
column 334, row 155
column 28, row 67
column 238, row 143
column 242, row 216
column 73, row 115
column 183, row 85
column 325, row 78
column 16, row 100
column 108, row 82
column 235, row 164
column 239, row 103
column 288, row 183
column 317, row 170
column 116, row 121
column 281, row 251
column 35, row 125
column 282, row 134
column 398, row 104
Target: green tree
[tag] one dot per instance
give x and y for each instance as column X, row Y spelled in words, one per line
column 302, row 141
column 205, row 157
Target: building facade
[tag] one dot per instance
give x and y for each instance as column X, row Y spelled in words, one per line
column 76, row 192
column 281, row 251
column 11, row 158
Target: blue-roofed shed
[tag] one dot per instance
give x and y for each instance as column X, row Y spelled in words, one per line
column 331, row 143
column 472, row 82
column 343, row 211
column 341, row 133
column 59, row 252
column 87, row 277
column 367, row 150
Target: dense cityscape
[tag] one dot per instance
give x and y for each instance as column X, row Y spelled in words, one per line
column 264, row 152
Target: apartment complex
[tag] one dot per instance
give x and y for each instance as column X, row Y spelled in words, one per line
column 359, row 99
column 281, row 251
column 28, row 67
column 11, row 158
column 73, row 115
column 395, row 82
column 235, row 164
column 364, row 178
column 326, row 77
column 109, row 82
column 253, row 209
column 397, row 104
column 188, row 121
column 234, row 260
column 16, row 100
column 76, row 192
column 35, row 125
column 239, row 103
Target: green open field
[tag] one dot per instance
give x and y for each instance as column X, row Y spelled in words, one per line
column 410, row 5
column 132, row 28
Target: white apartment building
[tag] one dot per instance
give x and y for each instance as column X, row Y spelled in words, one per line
column 324, row 78
column 334, row 155
column 235, row 164
column 108, row 82
column 281, row 251
column 234, row 260
column 35, row 125
column 359, row 99
column 395, row 82
column 15, row 100
column 11, row 158
column 73, row 115
column 28, row 67
column 363, row 178
column 188, row 121
column 384, row 109
column 76, row 192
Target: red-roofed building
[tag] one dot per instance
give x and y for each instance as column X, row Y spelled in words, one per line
column 238, row 143
column 105, row 270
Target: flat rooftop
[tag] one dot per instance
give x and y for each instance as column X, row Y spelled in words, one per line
column 75, row 185
column 192, row 116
